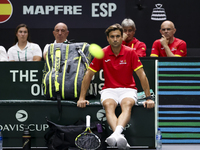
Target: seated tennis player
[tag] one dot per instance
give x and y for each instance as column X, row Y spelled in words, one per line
column 118, row 64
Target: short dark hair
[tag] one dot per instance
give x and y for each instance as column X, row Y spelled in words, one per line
column 113, row 28
column 16, row 30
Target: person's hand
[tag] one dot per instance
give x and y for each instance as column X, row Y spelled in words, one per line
column 124, row 36
column 149, row 104
column 164, row 41
column 82, row 103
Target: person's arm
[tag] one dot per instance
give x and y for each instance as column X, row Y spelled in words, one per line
column 84, row 87
column 141, row 50
column 10, row 56
column 45, row 51
column 164, row 42
column 145, row 85
column 125, row 36
column 181, row 49
column 4, row 56
column 37, row 58
column 155, row 49
column 44, row 55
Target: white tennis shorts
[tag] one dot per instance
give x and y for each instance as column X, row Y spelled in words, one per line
column 118, row 94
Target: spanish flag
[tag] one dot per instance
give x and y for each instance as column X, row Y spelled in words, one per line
column 5, row 10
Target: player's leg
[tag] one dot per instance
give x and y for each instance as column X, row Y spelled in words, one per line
column 118, row 124
column 110, row 106
column 128, row 98
column 126, row 107
column 109, row 102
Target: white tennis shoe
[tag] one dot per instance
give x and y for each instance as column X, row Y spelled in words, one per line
column 121, row 142
column 128, row 146
column 111, row 140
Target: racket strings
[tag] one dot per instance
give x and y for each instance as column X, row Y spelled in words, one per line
column 88, row 141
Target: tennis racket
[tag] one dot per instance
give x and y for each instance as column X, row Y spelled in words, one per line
column 87, row 140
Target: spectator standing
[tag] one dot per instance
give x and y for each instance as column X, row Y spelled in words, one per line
column 168, row 45
column 23, row 49
column 129, row 29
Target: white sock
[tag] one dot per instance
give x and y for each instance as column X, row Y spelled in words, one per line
column 119, row 129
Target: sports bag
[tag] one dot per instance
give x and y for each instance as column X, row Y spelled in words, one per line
column 61, row 137
column 64, row 70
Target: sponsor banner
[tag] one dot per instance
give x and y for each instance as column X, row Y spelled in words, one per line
column 23, row 81
column 75, row 13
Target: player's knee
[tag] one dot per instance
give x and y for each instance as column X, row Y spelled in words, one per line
column 128, row 102
column 109, row 104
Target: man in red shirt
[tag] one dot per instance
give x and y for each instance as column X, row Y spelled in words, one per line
column 129, row 40
column 118, row 64
column 168, row 45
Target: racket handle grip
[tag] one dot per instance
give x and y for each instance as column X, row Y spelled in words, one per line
column 88, row 121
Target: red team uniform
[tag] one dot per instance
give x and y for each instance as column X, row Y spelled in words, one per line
column 118, row 70
column 178, row 48
column 138, row 46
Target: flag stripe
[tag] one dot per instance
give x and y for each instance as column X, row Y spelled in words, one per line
column 4, row 2
column 5, row 9
column 4, row 17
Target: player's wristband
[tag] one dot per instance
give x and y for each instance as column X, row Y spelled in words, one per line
column 149, row 97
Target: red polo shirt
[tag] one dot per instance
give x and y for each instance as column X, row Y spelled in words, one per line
column 178, row 48
column 138, row 46
column 118, row 70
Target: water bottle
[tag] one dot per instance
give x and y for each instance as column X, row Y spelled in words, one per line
column 26, row 139
column 159, row 140
column 1, row 141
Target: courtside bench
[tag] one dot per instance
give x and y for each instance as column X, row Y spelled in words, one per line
column 22, row 102
column 140, row 131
